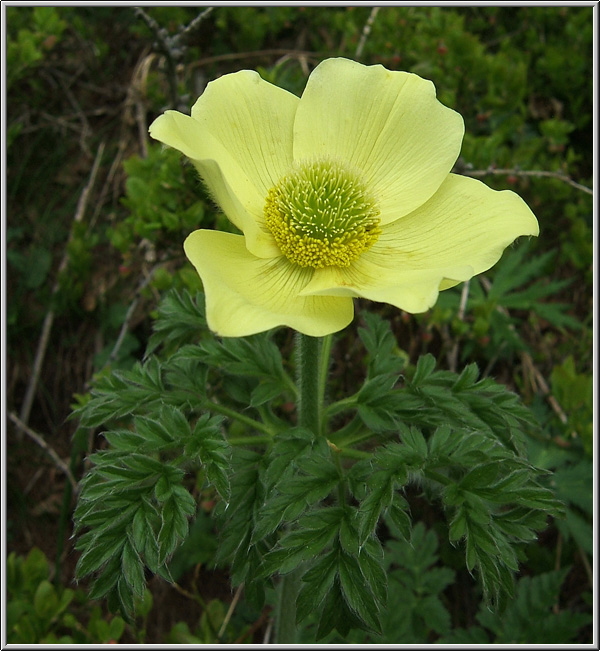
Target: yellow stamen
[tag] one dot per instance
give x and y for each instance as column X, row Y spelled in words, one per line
column 321, row 215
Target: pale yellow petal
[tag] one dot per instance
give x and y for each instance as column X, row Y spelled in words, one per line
column 239, row 138
column 370, row 277
column 246, row 295
column 388, row 125
column 253, row 120
column 460, row 232
column 208, row 156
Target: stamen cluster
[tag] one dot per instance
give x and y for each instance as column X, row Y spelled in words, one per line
column 321, row 215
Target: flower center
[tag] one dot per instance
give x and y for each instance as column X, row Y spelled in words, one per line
column 321, row 215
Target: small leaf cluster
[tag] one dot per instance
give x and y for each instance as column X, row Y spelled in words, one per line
column 32, row 34
column 163, row 197
column 574, row 392
column 38, row 612
column 531, row 615
column 571, row 478
column 417, row 606
column 342, row 577
column 135, row 503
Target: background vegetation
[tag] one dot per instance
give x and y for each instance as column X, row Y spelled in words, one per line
column 96, row 216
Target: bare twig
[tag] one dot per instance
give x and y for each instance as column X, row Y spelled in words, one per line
column 542, row 385
column 173, row 47
column 160, row 33
column 125, row 327
column 267, row 637
column 492, row 171
column 49, row 319
column 586, row 565
column 136, row 100
column 63, row 122
column 184, row 592
column 47, row 448
column 85, row 125
column 527, row 361
column 256, row 54
column 164, row 44
column 264, row 616
column 366, row 31
column 115, row 165
column 453, row 356
column 232, row 606
column 33, row 481
column 194, row 24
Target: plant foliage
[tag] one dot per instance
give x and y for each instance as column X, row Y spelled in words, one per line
column 290, row 501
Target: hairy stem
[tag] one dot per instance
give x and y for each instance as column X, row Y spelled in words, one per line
column 323, row 372
column 311, row 386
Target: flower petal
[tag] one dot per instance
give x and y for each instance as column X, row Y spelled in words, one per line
column 246, row 295
column 208, row 155
column 239, row 138
column 460, row 232
column 253, row 121
column 388, row 125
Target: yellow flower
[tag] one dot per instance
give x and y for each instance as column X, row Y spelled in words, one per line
column 345, row 192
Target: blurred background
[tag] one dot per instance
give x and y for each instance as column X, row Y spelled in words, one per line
column 97, row 213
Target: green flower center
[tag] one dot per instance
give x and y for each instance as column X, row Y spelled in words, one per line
column 321, row 215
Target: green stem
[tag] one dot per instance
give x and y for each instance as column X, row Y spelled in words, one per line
column 345, row 404
column 342, row 482
column 235, row 415
column 353, row 439
column 285, row 609
column 351, row 453
column 309, row 403
column 348, row 433
column 311, row 387
column 436, row 476
column 250, row 440
column 323, row 371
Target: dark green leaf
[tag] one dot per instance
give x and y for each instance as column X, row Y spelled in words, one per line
column 480, row 476
column 133, row 569
column 100, row 550
column 357, row 592
column 414, row 440
column 180, row 319
column 425, row 366
column 317, row 583
column 335, row 614
column 399, row 517
column 107, row 579
column 379, row 497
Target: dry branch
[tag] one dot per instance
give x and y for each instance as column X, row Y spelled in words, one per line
column 492, row 171
column 39, row 439
column 126, row 323
column 232, row 606
column 49, row 319
column 366, row 31
column 453, row 355
column 173, row 47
